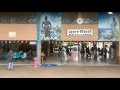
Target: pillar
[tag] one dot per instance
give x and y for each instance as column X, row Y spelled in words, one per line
column 94, row 44
column 118, row 61
column 78, row 50
column 117, row 53
column 51, row 47
column 38, row 38
column 119, row 42
column 48, row 48
column 103, row 44
column 79, row 14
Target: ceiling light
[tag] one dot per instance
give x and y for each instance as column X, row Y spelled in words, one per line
column 110, row 13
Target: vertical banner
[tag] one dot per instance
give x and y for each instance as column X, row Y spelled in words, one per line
column 50, row 26
column 108, row 26
column 38, row 38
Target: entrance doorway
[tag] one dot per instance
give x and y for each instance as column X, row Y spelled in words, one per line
column 51, row 51
column 86, row 52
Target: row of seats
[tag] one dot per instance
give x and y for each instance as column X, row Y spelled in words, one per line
column 4, row 55
column 15, row 56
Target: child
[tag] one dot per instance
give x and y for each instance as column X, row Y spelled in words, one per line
column 42, row 57
column 35, row 61
column 10, row 60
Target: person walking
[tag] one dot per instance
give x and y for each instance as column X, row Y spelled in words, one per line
column 92, row 54
column 10, row 60
column 87, row 52
column 68, row 54
column 105, row 53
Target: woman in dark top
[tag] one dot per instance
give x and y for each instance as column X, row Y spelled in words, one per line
column 10, row 60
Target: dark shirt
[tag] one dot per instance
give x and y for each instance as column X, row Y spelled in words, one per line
column 104, row 51
column 67, row 50
column 98, row 49
column 87, row 50
column 10, row 57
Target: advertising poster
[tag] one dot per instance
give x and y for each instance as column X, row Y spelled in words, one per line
column 50, row 26
column 108, row 26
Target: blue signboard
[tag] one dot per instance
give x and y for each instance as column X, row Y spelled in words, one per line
column 48, row 28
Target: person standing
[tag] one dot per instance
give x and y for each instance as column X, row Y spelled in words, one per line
column 42, row 57
column 10, row 60
column 62, row 55
column 35, row 61
column 105, row 53
column 95, row 52
column 101, row 53
column 98, row 50
column 87, row 52
column 68, row 53
column 92, row 54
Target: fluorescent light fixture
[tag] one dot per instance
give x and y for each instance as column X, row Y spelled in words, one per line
column 32, row 43
column 64, row 44
column 110, row 13
column 12, row 34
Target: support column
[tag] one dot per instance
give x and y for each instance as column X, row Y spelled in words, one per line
column 117, row 53
column 94, row 44
column 119, row 42
column 78, row 50
column 51, row 47
column 38, row 39
column 103, row 44
column 54, row 43
column 48, row 48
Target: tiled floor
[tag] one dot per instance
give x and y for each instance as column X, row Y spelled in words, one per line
column 57, row 58
column 64, row 71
